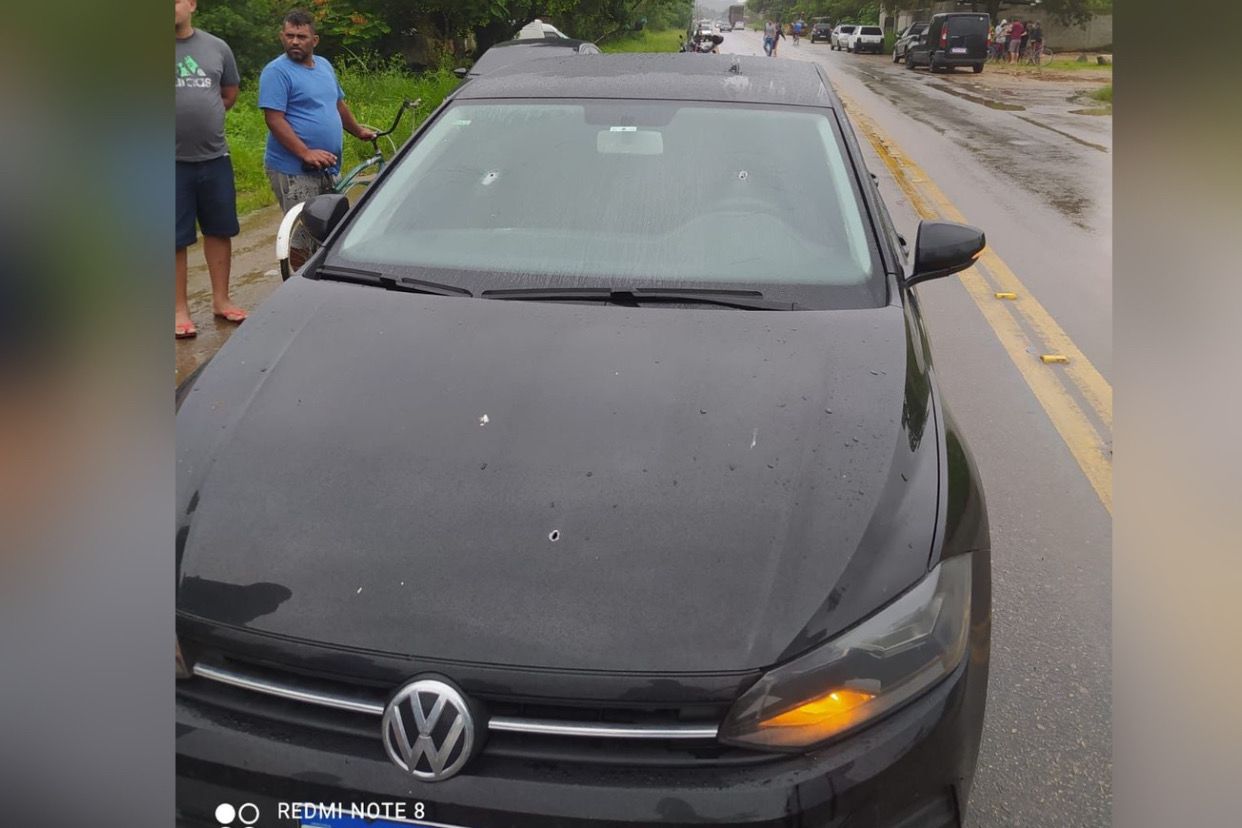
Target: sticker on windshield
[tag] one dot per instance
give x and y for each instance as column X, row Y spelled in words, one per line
column 623, row 129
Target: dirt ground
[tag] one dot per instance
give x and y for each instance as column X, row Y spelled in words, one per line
column 1001, row 86
column 1002, row 73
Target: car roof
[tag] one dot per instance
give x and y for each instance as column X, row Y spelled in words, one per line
column 509, row 52
column 671, row 77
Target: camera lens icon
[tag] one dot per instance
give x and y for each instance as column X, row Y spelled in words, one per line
column 246, row 814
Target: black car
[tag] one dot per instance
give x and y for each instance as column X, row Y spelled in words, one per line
column 908, row 36
column 821, row 29
column 952, row 39
column 509, row 52
column 516, row 506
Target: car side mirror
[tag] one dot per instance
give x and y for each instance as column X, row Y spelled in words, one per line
column 460, row 71
column 942, row 248
column 323, row 213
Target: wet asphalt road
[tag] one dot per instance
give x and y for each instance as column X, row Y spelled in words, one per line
column 1044, row 199
column 1038, row 181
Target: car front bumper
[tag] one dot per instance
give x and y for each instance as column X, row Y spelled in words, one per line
column 913, row 768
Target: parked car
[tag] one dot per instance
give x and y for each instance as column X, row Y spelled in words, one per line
column 865, row 39
column 821, row 29
column 518, row 506
column 841, row 34
column 952, row 39
column 909, row 35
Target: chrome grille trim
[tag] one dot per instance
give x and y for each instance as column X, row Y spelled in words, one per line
column 285, row 691
column 507, row 724
column 595, row 730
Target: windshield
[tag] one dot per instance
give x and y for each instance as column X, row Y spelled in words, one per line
column 548, row 194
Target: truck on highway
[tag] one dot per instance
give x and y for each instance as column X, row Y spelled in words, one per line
column 736, row 15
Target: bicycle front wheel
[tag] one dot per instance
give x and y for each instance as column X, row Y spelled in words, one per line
column 294, row 243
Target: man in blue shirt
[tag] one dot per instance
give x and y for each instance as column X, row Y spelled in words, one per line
column 305, row 110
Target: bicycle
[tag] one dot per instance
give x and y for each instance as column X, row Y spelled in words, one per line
column 1036, row 54
column 291, row 256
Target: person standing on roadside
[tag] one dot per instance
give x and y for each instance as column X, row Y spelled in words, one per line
column 1016, row 31
column 305, row 110
column 206, row 86
column 777, row 35
column 1000, row 41
column 769, row 37
column 1037, row 42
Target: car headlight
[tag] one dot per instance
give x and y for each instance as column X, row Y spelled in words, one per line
column 878, row 665
column 183, row 669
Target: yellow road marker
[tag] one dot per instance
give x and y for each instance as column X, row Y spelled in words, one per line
column 1006, row 295
column 1089, row 447
column 1059, row 359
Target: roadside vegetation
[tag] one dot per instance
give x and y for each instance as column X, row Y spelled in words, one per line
column 1105, row 94
column 666, row 40
column 1071, row 64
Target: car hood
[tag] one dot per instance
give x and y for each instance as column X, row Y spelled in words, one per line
column 553, row 485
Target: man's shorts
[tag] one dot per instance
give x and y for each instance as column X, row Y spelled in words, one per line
column 292, row 189
column 206, row 197
column 1015, row 46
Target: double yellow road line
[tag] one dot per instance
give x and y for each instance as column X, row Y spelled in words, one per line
column 1075, row 396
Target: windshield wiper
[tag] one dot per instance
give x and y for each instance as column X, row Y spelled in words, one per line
column 633, row 297
column 401, row 283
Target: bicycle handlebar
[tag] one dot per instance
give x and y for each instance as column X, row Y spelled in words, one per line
column 405, row 104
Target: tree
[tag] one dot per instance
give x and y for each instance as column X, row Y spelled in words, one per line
column 250, row 27
column 1067, row 12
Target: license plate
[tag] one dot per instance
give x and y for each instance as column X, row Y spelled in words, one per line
column 958, row 50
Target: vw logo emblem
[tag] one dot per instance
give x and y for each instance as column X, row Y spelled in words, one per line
column 428, row 730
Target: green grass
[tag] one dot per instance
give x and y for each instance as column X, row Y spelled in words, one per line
column 373, row 97
column 1072, row 65
column 1104, row 94
column 666, row 40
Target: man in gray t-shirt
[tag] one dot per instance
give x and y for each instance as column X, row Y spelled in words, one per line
column 206, row 86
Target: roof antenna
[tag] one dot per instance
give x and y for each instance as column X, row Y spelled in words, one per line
column 736, row 66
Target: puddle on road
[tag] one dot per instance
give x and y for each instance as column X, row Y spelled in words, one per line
column 988, row 102
column 1062, row 133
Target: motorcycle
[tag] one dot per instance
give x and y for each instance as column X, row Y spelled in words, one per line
column 703, row 44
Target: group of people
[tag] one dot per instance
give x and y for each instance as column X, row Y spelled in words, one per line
column 773, row 32
column 305, row 111
column 1010, row 41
